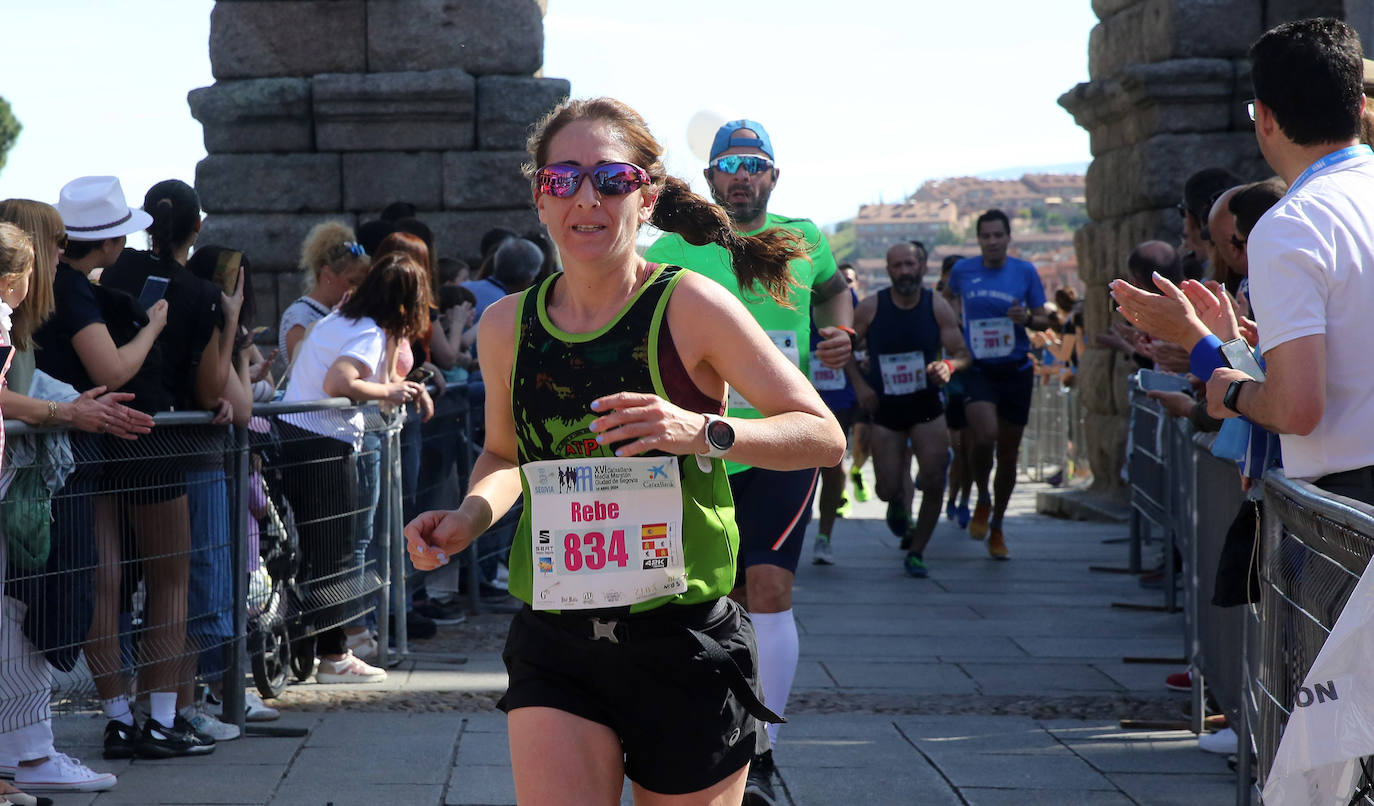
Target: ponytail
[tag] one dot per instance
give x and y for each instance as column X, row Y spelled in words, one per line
column 175, row 209
column 757, row 259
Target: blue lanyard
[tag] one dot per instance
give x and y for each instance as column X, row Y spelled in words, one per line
column 1334, row 158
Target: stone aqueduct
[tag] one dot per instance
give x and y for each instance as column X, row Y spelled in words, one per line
column 426, row 100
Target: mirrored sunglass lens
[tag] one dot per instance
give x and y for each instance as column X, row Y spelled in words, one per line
column 755, row 165
column 560, row 181
column 616, row 180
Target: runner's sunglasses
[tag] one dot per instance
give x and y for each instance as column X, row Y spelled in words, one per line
column 562, row 180
column 750, row 163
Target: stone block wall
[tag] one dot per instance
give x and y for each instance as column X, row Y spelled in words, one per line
column 1168, row 84
column 332, row 109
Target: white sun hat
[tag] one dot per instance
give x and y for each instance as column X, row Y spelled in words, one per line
column 93, row 209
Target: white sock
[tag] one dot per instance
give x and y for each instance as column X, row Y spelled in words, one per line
column 118, row 709
column 778, row 651
column 163, row 707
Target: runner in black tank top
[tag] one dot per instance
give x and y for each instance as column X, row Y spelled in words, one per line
column 629, row 660
column 905, row 328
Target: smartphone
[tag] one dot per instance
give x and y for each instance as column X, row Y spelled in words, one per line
column 154, row 289
column 1237, row 354
column 227, row 267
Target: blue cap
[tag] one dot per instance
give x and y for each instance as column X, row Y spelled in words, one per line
column 726, row 140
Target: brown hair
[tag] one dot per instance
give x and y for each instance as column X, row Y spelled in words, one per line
column 761, row 258
column 43, row 225
column 414, row 247
column 394, row 295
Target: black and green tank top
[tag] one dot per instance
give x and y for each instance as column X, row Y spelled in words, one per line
column 556, row 375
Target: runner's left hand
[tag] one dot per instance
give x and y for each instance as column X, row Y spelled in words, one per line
column 835, row 347
column 647, row 422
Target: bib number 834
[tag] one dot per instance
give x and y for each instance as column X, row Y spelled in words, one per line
column 590, row 550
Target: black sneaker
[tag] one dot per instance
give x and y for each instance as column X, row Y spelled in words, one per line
column 442, row 612
column 160, row 741
column 120, row 739
column 758, row 787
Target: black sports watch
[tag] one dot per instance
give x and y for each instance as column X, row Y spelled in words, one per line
column 720, row 436
column 1232, row 396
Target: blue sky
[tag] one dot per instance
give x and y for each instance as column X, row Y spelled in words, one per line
column 864, row 99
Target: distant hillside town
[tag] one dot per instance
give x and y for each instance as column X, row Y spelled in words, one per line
column 1045, row 209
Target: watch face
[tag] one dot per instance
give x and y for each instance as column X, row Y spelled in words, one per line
column 720, row 435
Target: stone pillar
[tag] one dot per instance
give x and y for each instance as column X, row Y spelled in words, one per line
column 1168, row 84
column 332, row 109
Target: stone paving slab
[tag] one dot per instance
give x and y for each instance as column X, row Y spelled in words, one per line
column 1037, row 628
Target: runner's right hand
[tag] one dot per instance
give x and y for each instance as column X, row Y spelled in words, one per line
column 435, row 536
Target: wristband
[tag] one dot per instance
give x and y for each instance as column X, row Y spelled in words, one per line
column 52, row 412
column 846, row 329
column 949, row 364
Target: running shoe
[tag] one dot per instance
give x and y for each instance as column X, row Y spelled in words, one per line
column 997, row 545
column 963, row 514
column 1224, row 742
column 159, row 741
column 1179, row 681
column 843, row 510
column 348, row 669
column 821, row 554
column 207, row 724
column 856, row 476
column 62, row 773
column 978, row 527
column 951, row 510
column 897, row 518
column 120, row 740
column 758, row 787
column 254, row 709
column 915, row 565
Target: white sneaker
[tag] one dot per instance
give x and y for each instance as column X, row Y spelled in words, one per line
column 256, row 710
column 821, row 553
column 1223, row 742
column 62, row 773
column 207, row 723
column 363, row 645
column 349, row 669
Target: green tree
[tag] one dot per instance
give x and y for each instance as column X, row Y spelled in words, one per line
column 9, row 130
column 947, row 237
column 842, row 243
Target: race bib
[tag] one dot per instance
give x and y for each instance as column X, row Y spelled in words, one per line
column 903, row 373
column 786, row 342
column 991, row 338
column 826, row 379
column 605, row 532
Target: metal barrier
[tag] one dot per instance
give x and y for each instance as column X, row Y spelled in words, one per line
column 1050, row 440
column 1315, row 548
column 176, row 557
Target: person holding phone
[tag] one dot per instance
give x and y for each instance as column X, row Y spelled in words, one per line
column 348, row 353
column 146, row 482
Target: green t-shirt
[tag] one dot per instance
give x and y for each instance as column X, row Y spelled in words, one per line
column 790, row 329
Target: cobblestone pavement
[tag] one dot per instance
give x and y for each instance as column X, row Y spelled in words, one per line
column 988, row 683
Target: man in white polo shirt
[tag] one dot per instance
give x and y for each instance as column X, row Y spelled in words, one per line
column 1312, row 261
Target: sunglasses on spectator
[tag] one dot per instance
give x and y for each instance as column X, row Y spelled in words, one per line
column 750, row 163
column 561, row 180
column 61, row 240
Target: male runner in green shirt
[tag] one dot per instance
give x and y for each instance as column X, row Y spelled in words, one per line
column 772, row 508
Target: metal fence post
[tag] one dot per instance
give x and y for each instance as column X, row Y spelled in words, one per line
column 232, row 690
column 395, row 523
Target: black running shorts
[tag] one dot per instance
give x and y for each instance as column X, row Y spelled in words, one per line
column 902, row 412
column 772, row 511
column 1007, row 386
column 681, row 726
